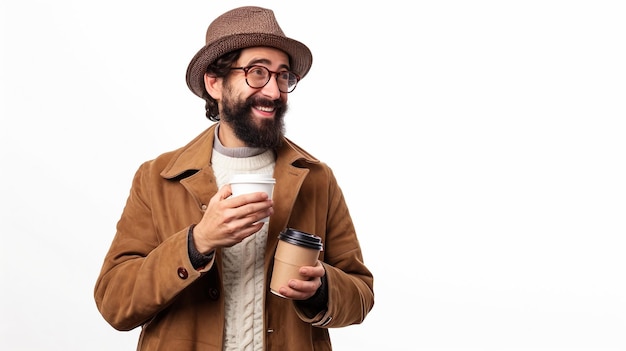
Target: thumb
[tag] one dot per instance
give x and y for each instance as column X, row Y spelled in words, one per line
column 225, row 192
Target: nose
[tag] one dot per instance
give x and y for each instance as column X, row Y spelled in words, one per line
column 271, row 88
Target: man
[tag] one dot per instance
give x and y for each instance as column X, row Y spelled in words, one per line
column 189, row 263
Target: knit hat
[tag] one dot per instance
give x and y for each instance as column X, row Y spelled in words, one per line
column 240, row 28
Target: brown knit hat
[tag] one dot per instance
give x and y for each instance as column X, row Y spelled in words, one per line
column 240, row 28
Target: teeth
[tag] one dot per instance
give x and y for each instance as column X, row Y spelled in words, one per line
column 265, row 109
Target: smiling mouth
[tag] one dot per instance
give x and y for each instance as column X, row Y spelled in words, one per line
column 265, row 108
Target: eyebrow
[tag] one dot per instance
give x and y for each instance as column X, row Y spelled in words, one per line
column 265, row 62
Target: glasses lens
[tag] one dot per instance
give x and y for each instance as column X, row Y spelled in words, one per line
column 286, row 81
column 258, row 76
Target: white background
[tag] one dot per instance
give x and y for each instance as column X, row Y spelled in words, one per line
column 480, row 145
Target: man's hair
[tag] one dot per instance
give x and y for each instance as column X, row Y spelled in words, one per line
column 219, row 68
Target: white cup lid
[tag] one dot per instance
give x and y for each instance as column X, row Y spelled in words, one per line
column 252, row 177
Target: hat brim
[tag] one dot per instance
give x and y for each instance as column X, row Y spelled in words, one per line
column 300, row 56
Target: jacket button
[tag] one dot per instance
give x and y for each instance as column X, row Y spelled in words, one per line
column 214, row 293
column 182, row 273
column 204, row 207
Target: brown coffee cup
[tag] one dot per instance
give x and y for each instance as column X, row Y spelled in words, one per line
column 295, row 249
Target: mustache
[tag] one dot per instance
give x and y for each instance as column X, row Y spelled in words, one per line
column 260, row 101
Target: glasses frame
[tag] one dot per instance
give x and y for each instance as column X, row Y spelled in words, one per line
column 272, row 73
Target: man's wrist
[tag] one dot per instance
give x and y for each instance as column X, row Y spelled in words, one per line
column 316, row 303
column 197, row 258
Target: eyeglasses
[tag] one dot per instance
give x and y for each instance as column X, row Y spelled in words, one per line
column 258, row 77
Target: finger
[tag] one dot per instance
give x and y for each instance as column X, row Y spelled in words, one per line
column 225, row 192
column 313, row 271
column 254, row 212
column 243, row 199
column 300, row 289
column 305, row 285
column 249, row 229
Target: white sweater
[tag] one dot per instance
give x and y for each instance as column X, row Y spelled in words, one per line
column 243, row 263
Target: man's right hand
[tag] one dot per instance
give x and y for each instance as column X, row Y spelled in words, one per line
column 228, row 220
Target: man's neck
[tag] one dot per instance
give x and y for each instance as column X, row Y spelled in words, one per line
column 237, row 149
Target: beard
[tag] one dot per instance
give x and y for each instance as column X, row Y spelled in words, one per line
column 266, row 133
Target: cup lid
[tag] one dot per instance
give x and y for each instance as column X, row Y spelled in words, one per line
column 299, row 238
column 252, row 177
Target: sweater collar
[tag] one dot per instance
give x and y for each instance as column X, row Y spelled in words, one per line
column 237, row 152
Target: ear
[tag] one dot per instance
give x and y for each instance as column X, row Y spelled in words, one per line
column 213, row 86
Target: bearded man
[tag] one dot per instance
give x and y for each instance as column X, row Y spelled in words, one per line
column 190, row 264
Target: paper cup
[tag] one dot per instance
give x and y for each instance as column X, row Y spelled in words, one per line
column 295, row 249
column 252, row 183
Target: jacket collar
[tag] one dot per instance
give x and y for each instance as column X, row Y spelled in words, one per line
column 196, row 155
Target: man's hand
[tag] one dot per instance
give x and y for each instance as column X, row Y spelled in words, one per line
column 228, row 220
column 303, row 289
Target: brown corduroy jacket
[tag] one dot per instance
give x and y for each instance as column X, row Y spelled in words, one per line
column 148, row 281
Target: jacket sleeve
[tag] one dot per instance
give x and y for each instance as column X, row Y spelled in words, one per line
column 144, row 270
column 350, row 283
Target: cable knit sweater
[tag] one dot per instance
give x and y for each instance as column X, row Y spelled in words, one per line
column 243, row 263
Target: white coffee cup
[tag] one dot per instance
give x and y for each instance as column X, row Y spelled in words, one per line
column 251, row 183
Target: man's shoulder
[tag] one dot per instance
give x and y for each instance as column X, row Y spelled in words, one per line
column 192, row 156
column 296, row 153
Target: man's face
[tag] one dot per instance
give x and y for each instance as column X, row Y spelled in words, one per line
column 256, row 115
